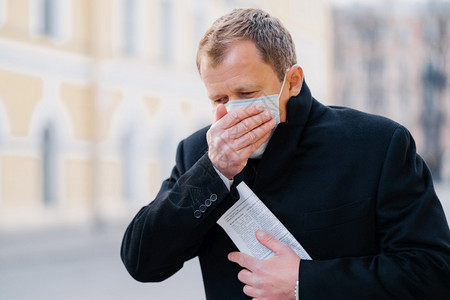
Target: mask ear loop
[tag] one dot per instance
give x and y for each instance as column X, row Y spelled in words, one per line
column 282, row 87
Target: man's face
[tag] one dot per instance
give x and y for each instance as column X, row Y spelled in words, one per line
column 241, row 75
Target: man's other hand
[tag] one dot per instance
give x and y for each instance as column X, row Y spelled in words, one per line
column 273, row 278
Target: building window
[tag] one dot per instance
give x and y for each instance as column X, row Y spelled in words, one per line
column 129, row 167
column 51, row 18
column 200, row 20
column 49, row 165
column 167, row 23
column 2, row 12
column 129, row 27
column 47, row 25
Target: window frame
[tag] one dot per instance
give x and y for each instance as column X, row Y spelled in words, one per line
column 3, row 12
column 62, row 20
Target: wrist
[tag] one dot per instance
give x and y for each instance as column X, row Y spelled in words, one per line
column 226, row 181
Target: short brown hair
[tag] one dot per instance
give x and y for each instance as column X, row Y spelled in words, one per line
column 271, row 38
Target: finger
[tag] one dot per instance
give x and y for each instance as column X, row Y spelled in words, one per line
column 236, row 116
column 270, row 242
column 249, row 149
column 252, row 123
column 246, row 144
column 251, row 291
column 242, row 259
column 221, row 111
column 245, row 276
column 256, row 137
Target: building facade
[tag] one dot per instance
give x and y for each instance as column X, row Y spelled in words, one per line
column 95, row 96
column 392, row 59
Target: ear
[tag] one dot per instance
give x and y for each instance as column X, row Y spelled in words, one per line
column 294, row 77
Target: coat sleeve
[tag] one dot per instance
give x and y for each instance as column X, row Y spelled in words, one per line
column 413, row 236
column 169, row 231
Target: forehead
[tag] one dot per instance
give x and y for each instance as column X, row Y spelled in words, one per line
column 242, row 65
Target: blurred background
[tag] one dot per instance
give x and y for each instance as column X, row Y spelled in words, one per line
column 96, row 94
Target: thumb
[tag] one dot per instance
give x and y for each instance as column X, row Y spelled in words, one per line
column 221, row 111
column 270, row 242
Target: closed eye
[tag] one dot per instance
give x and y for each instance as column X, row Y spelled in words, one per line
column 222, row 100
column 247, row 94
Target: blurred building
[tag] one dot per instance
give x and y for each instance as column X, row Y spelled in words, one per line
column 392, row 59
column 95, row 95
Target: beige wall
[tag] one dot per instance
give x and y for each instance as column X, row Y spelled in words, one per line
column 108, row 112
column 17, row 22
column 20, row 181
column 78, row 184
column 80, row 104
column 20, row 94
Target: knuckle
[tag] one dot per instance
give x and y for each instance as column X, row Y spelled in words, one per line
column 245, row 125
column 248, row 109
column 252, row 136
column 258, row 268
column 267, row 238
column 259, row 119
column 241, row 260
column 272, row 123
column 233, row 132
column 264, row 237
column 234, row 115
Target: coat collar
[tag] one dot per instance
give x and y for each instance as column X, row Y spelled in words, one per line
column 299, row 107
column 284, row 146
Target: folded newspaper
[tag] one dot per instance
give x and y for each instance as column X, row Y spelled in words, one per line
column 250, row 214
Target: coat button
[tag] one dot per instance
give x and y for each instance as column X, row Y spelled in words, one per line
column 197, row 214
column 213, row 197
column 208, row 202
column 202, row 208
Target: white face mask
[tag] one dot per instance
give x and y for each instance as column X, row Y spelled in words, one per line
column 270, row 103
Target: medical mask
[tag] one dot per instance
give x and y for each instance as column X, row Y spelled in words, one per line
column 270, row 103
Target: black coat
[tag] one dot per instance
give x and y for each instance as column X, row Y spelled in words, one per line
column 349, row 186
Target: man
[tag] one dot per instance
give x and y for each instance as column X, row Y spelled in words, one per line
column 349, row 186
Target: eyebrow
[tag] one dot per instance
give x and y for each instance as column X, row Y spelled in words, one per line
column 238, row 89
column 247, row 87
column 214, row 97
